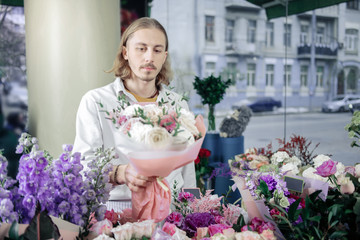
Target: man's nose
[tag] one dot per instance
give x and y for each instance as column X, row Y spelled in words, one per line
column 149, row 55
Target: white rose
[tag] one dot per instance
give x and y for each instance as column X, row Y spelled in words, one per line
column 247, row 235
column 342, row 179
column 153, row 112
column 279, row 157
column 290, row 168
column 357, row 170
column 320, row 159
column 158, row 138
column 130, row 110
column 187, row 120
column 138, row 131
column 185, row 134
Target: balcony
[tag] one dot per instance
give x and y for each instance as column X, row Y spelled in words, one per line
column 322, row 51
column 240, row 5
column 242, row 47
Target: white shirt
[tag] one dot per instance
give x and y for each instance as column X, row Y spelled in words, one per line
column 93, row 130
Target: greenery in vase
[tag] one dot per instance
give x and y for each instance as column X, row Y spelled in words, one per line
column 354, row 129
column 211, row 90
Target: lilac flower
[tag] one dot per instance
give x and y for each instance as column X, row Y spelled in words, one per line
column 29, row 202
column 64, row 207
column 185, row 196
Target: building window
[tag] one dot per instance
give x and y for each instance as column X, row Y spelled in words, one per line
column 287, row 35
column 251, row 69
column 209, row 68
column 320, row 33
column 320, row 76
column 251, row 31
column 209, row 28
column 269, row 77
column 229, row 33
column 351, row 40
column 353, row 5
column 269, row 39
column 232, row 72
column 304, row 76
column 304, row 34
column 287, row 75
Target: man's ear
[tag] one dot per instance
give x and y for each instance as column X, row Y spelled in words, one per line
column 124, row 53
column 166, row 55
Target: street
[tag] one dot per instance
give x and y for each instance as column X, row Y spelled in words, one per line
column 323, row 128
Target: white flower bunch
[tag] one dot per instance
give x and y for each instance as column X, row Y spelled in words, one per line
column 156, row 126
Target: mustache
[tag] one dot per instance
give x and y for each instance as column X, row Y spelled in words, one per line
column 149, row 65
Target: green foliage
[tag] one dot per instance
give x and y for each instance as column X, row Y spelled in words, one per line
column 211, row 90
column 354, row 129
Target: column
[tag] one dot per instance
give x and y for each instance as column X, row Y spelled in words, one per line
column 69, row 46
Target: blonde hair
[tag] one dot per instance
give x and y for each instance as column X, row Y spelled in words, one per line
column 121, row 66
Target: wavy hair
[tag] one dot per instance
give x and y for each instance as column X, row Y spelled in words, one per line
column 121, row 66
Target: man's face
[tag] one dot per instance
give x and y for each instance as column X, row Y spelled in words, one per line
column 145, row 52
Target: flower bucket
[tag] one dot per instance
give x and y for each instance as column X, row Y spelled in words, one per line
column 212, row 143
column 231, row 147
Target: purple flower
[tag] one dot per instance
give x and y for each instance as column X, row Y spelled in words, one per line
column 196, row 220
column 270, row 181
column 41, row 163
column 89, row 194
column 69, row 179
column 64, row 207
column 185, row 196
column 29, row 202
column 67, row 147
column 175, row 218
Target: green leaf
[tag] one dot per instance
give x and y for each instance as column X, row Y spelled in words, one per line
column 14, row 231
column 48, row 230
column 293, row 213
column 338, row 235
column 334, row 223
column 315, row 218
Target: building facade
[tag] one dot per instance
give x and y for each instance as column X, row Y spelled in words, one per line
column 306, row 59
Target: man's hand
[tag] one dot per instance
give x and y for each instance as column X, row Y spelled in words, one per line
column 128, row 175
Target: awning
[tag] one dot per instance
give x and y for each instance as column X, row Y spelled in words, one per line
column 14, row 3
column 277, row 8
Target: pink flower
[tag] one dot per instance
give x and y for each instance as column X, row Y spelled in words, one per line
column 169, row 228
column 126, row 216
column 265, row 226
column 168, row 122
column 247, row 228
column 101, row 227
column 217, row 228
column 112, row 216
column 327, row 168
column 201, row 232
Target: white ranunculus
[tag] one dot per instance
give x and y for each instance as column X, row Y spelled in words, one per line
column 295, row 160
column 138, row 131
column 290, row 168
column 279, row 157
column 158, row 138
column 340, row 169
column 153, row 112
column 130, row 110
column 320, row 159
column 187, row 120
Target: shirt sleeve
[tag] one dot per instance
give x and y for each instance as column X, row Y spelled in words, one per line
column 88, row 129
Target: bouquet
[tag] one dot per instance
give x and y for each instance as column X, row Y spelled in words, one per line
column 157, row 139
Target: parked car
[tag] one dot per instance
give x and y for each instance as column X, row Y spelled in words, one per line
column 259, row 104
column 341, row 103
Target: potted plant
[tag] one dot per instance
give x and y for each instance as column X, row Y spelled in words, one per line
column 211, row 90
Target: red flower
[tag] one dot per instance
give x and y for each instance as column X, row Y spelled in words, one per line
column 197, row 160
column 204, row 153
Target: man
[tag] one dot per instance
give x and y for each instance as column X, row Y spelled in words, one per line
column 141, row 68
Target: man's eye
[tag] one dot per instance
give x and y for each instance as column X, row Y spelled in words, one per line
column 158, row 50
column 141, row 49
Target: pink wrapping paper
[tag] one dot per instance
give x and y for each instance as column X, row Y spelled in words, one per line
column 151, row 203
column 162, row 163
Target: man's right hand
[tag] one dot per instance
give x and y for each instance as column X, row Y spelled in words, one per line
column 128, row 175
